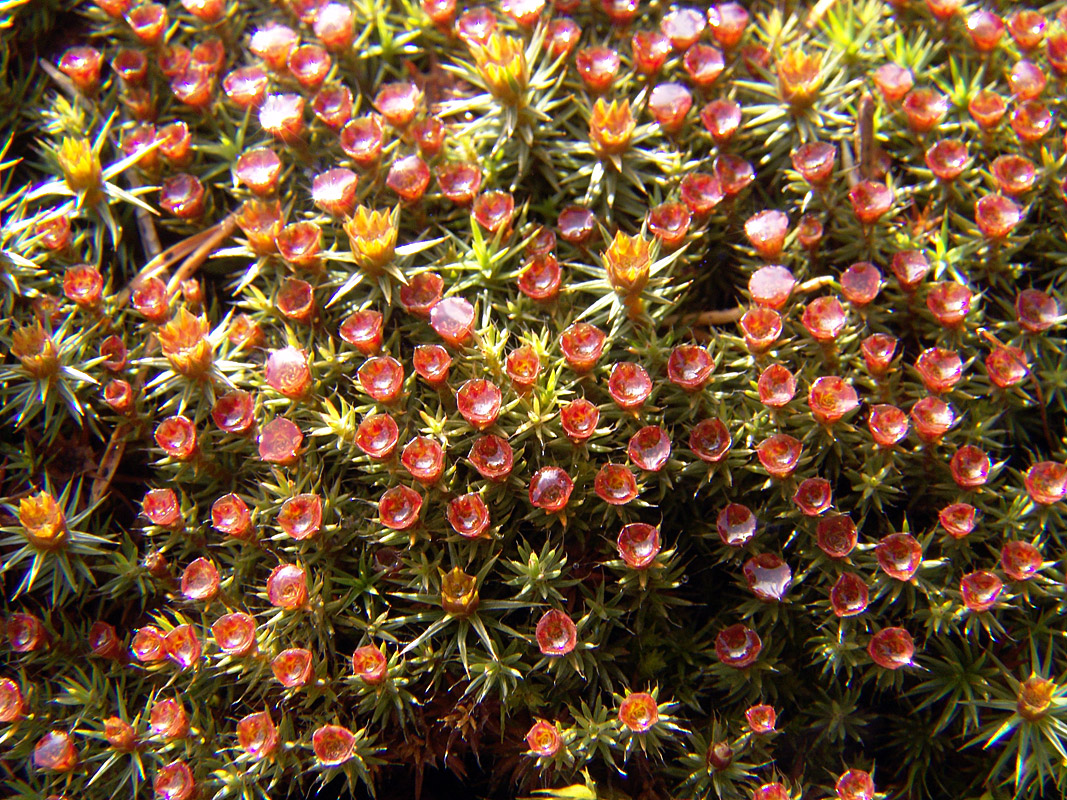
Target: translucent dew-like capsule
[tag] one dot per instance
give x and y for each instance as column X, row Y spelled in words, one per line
column 200, row 580
column 468, row 515
column 870, row 201
column 767, row 576
column 980, row 590
column 703, row 64
column 669, row 223
column 544, row 739
column 689, row 367
column 893, row 81
column 292, row 668
column 1046, row 482
column 649, row 448
column 409, row 177
column 169, row 720
column 582, row 345
column 1036, row 311
column 629, row 385
column 398, row 103
column 148, row 645
column 556, row 634
column 860, row 283
column 333, row 106
column 309, row 64
column 26, row 633
column 683, row 26
column 779, row 454
column 541, row 278
column 824, row 318
column 550, row 489
column 287, row 587
column 813, row 496
column 522, row 366
column 849, row 595
column 836, row 535
column 1020, row 560
column 878, row 350
column 597, row 66
column 932, row 418
column 230, row 515
column 760, row 328
column 727, row 23
column 424, row 459
column 766, row 231
column 333, row 745
column 399, row 507
column 492, row 456
column 924, row 109
column 257, row 735
column 710, row 440
column 762, row 719
column 459, row 182
column 733, row 174
column 996, row 216
column 638, row 544
column 162, row 508
column 649, row 50
column 899, row 555
column 103, row 641
column 279, row 442
column 235, row 634
column 987, row 108
column 55, row 752
column 771, row 286
column 855, row 784
column 615, row 484
column 432, row 363
column 301, row 516
column 701, row 192
column 334, row 191
column 891, row 648
column 736, row 525
column 1027, row 28
column 288, row 373
column 576, row 225
column 382, row 377
column 947, row 159
column 453, row 320
column 970, row 467
column 815, row 162
column 958, row 519
column 296, row 300
column 638, row 712
column 494, row 210
column 949, row 302
column 423, row 293
column 479, row 402
column 1015, row 175
column 370, row 665
column 377, row 436
column 579, row 419
column 738, row 646
column 362, row 140
column 12, row 703
column 363, row 330
column 669, row 103
column 830, row 399
column 1031, row 121
column 722, row 119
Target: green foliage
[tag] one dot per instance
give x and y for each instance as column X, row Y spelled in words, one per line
column 524, row 420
